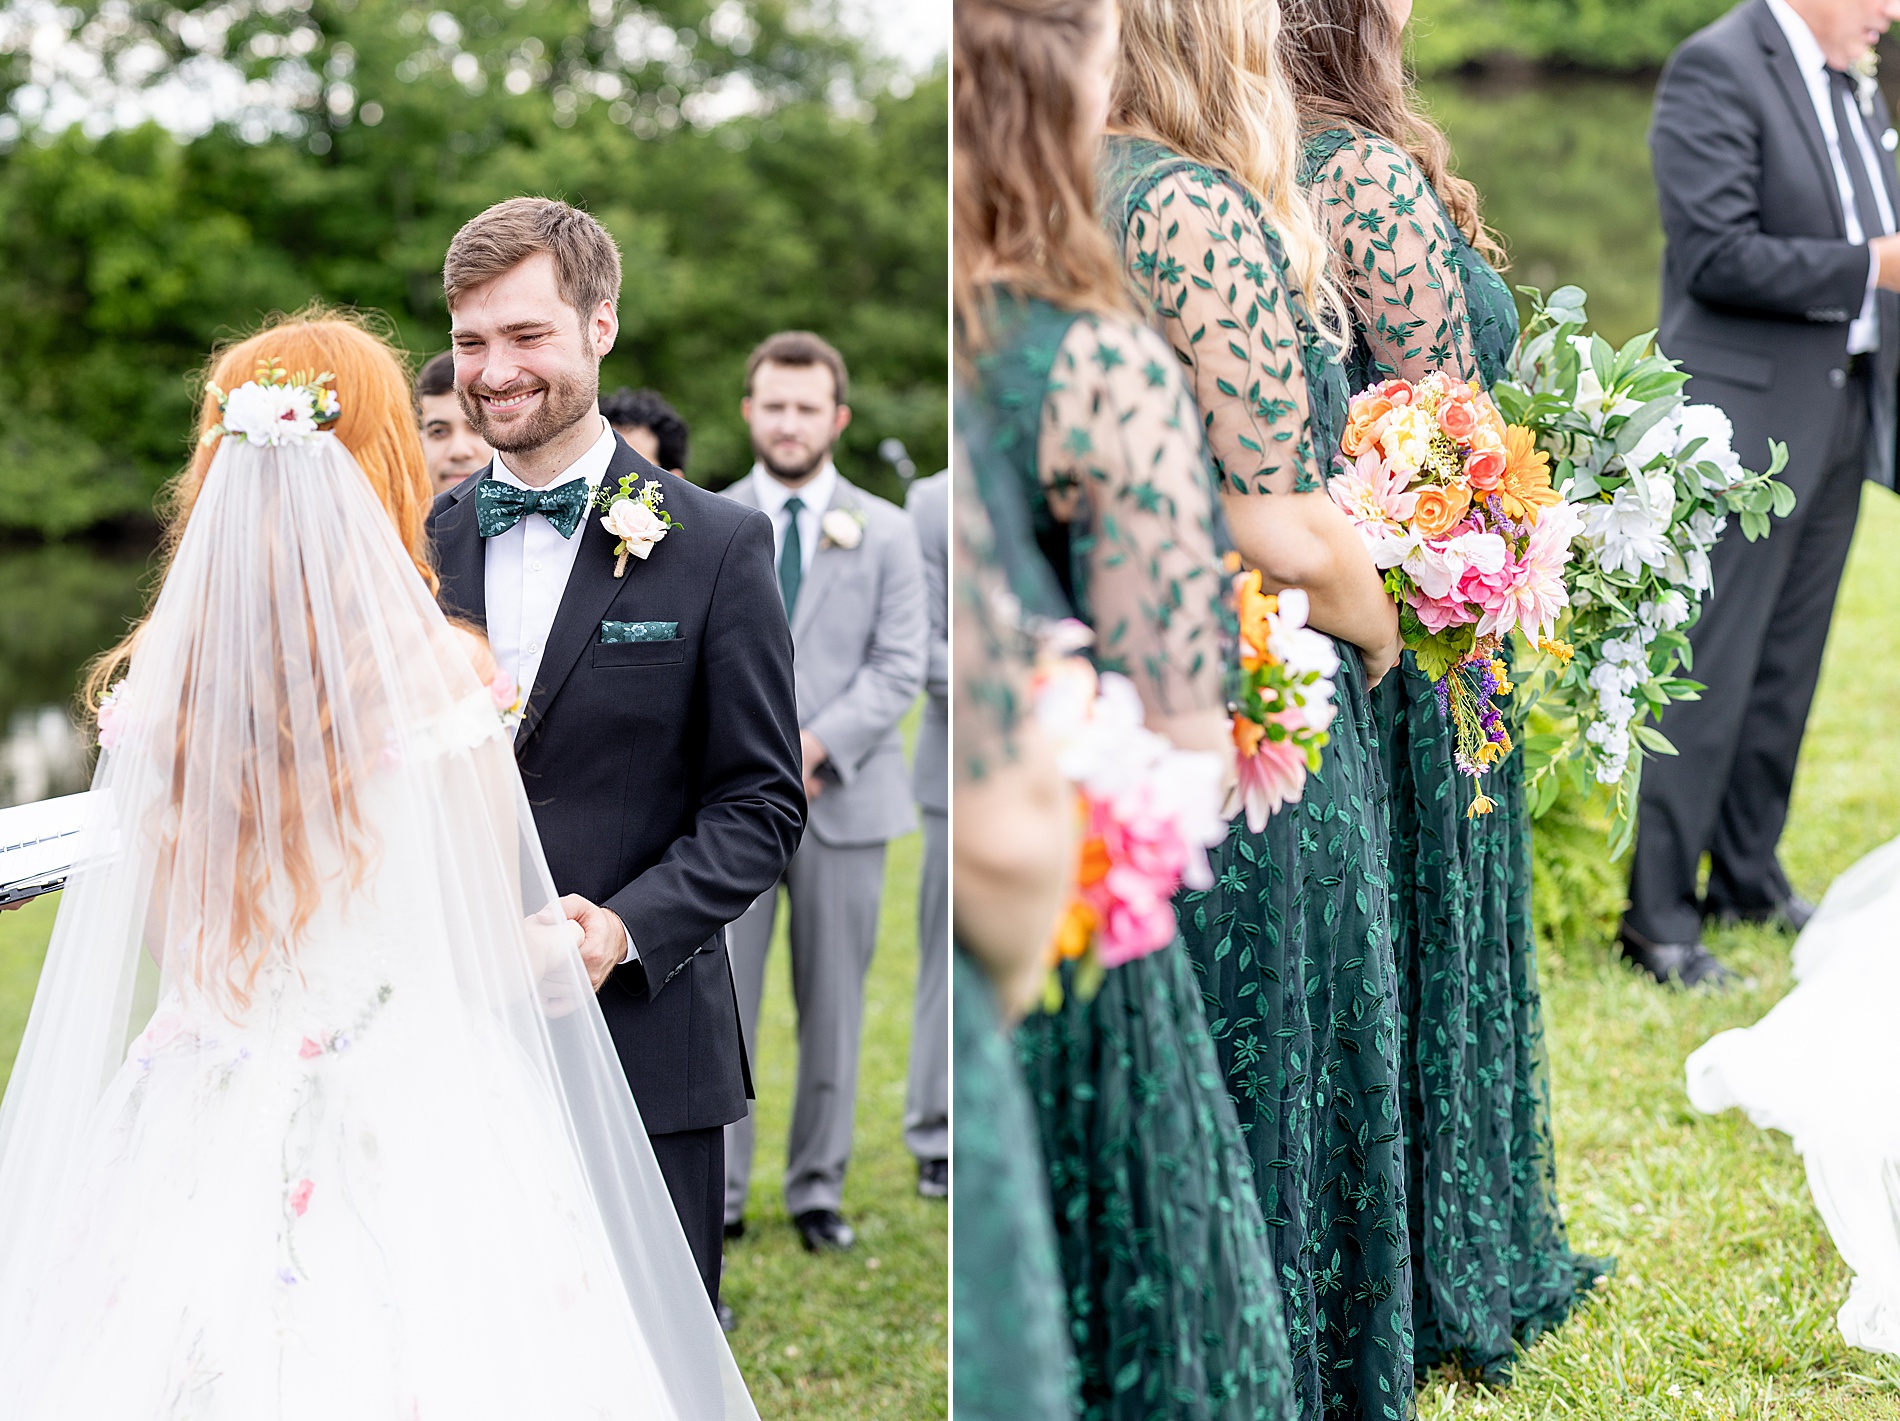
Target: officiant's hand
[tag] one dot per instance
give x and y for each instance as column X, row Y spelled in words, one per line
column 605, row 940
column 815, row 755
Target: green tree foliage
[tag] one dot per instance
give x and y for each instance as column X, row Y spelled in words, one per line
column 380, row 128
column 1592, row 34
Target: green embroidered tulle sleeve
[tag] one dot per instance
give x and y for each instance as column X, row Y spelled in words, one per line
column 1398, row 257
column 1123, row 463
column 1216, row 280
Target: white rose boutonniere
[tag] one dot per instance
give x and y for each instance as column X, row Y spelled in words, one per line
column 842, row 528
column 634, row 517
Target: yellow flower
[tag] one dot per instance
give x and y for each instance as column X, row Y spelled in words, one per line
column 1073, row 934
column 1479, row 805
column 1524, row 490
column 1552, row 646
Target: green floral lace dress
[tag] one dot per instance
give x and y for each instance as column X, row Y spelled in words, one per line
column 1293, row 943
column 1173, row 1308
column 1491, row 1262
column 1009, row 1328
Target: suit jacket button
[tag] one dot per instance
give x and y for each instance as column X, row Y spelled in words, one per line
column 1837, row 378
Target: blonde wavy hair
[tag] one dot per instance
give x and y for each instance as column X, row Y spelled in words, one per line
column 1204, row 78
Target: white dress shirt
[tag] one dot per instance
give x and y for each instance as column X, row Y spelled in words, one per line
column 525, row 576
column 817, row 494
column 528, row 566
column 1863, row 332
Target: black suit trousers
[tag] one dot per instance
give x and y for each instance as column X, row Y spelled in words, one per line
column 1758, row 649
column 693, row 1163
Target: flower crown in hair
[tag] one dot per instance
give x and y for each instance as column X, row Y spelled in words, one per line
column 275, row 408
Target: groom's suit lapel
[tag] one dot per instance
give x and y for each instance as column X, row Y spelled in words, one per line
column 461, row 553
column 1794, row 90
column 591, row 588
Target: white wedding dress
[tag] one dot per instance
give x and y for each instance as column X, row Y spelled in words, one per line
column 316, row 1116
column 1824, row 1067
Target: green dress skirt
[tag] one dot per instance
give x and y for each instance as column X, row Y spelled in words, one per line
column 1293, row 943
column 1492, row 1265
column 1173, row 1304
column 1011, row 1335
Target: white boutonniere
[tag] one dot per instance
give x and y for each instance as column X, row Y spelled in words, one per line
column 842, row 528
column 636, row 518
column 1867, row 81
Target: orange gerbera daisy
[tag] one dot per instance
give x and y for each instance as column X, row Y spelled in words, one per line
column 1525, row 488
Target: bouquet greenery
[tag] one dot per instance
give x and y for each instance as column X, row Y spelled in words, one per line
column 1654, row 481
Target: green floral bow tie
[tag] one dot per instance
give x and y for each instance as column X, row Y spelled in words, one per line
column 499, row 506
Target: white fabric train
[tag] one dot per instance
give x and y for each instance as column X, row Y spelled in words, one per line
column 365, row 1152
column 1824, row 1068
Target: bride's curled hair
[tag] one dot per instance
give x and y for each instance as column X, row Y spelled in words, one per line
column 267, row 712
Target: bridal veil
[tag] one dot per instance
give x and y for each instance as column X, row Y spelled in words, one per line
column 310, row 1017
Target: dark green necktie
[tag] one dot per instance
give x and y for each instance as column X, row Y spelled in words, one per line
column 499, row 506
column 791, row 558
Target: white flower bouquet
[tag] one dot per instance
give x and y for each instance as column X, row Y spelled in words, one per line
column 1654, row 482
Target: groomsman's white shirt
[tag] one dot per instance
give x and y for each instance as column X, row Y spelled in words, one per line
column 1863, row 332
column 773, row 496
column 526, row 571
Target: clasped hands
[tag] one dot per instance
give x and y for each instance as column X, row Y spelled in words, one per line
column 569, row 922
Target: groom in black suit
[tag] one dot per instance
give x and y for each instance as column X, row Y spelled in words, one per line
column 1774, row 165
column 660, row 742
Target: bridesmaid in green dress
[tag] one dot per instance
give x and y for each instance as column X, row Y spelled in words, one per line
column 1293, row 944
column 1490, row 1259
column 1173, row 1307
column 1014, row 852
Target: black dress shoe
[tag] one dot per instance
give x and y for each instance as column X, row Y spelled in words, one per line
column 1791, row 914
column 735, row 1229
column 727, row 1322
column 824, row 1230
column 933, row 1178
column 1673, row 964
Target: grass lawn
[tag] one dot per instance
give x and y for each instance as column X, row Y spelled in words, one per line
column 1724, row 1297
column 850, row 1337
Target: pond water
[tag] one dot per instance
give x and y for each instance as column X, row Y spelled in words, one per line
column 1562, row 165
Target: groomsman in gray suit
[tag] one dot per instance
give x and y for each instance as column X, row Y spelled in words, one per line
column 927, row 1100
column 851, row 578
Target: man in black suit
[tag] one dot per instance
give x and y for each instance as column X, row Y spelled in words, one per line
column 1774, row 165
column 660, row 742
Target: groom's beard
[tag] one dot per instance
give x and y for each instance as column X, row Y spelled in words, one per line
column 566, row 401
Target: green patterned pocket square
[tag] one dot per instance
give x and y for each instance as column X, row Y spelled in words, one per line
column 613, row 633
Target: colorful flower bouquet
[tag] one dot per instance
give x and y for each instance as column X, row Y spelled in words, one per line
column 1285, row 698
column 1149, row 812
column 1457, row 508
column 1650, row 483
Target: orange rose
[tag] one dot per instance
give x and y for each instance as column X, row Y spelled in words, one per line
column 1525, row 488
column 1458, row 419
column 1439, row 508
column 1360, row 418
column 1399, row 392
column 1485, row 468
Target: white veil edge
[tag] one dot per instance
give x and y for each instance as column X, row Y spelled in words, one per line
column 299, row 711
